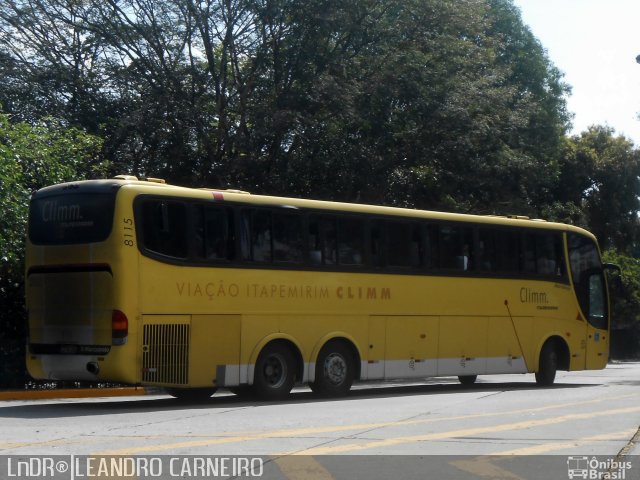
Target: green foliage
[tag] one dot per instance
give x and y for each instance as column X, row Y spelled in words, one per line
column 433, row 103
column 626, row 292
column 600, row 175
column 31, row 156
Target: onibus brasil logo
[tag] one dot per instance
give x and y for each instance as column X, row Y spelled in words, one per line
column 596, row 469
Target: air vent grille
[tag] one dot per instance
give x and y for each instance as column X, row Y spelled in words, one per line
column 165, row 354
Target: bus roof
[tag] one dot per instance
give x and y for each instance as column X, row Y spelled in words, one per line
column 154, row 186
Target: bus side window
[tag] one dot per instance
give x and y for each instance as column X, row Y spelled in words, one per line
column 487, row 250
column 558, row 246
column 499, row 251
column 546, row 255
column 375, row 235
column 543, row 254
column 508, row 252
column 404, row 244
column 245, row 235
column 456, row 247
column 351, row 241
column 432, row 256
column 322, row 240
column 261, row 236
column 529, row 264
column 164, row 227
column 287, row 237
column 215, row 239
column 255, row 235
column 314, row 244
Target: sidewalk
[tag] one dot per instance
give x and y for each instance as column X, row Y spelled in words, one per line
column 71, row 393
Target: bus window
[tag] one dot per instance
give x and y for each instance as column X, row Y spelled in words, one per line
column 499, row 251
column 546, row 255
column 164, row 227
column 351, row 241
column 456, row 247
column 375, row 236
column 404, row 244
column 432, row 246
column 314, row 242
column 322, row 240
column 597, row 310
column 255, row 239
column 66, row 219
column 215, row 236
column 543, row 254
column 287, row 237
column 588, row 279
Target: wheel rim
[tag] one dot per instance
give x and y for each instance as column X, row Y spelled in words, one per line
column 275, row 370
column 335, row 368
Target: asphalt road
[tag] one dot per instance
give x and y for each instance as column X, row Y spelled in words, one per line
column 504, row 427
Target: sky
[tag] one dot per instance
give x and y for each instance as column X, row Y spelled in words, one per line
column 595, row 44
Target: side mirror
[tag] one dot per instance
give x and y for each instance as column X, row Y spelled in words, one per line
column 612, row 267
column 614, row 274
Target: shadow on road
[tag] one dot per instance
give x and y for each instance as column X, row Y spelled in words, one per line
column 223, row 400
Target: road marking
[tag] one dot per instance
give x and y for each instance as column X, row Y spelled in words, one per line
column 46, row 443
column 552, row 447
column 247, row 436
column 462, row 433
column 485, row 466
column 302, row 468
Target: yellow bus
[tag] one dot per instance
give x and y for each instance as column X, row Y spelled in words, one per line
column 144, row 283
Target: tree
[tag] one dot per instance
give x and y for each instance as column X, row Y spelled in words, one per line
column 600, row 174
column 30, row 158
column 425, row 103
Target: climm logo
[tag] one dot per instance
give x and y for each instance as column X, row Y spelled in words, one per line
column 52, row 212
column 528, row 295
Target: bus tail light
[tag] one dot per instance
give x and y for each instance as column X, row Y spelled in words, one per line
column 119, row 328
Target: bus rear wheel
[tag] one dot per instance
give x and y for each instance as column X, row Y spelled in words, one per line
column 335, row 370
column 546, row 373
column 191, row 394
column 275, row 372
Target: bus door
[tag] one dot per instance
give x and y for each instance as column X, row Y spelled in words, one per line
column 598, row 322
column 591, row 295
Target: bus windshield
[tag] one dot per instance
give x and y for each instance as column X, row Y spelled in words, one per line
column 588, row 279
column 71, row 218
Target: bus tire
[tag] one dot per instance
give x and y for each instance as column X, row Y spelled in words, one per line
column 275, row 372
column 548, row 365
column 467, row 380
column 335, row 370
column 191, row 394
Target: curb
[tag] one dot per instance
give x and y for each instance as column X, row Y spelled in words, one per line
column 71, row 393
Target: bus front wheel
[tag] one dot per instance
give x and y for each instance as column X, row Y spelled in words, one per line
column 274, row 373
column 546, row 373
column 335, row 370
